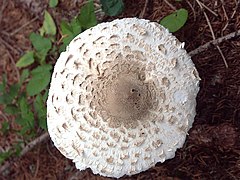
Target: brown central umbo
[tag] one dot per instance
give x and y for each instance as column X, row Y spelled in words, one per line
column 127, row 99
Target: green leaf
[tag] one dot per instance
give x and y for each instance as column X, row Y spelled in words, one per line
column 27, row 116
column 87, row 17
column 175, row 21
column 40, row 79
column 24, row 76
column 45, row 96
column 76, row 27
column 3, row 91
column 5, row 127
column 11, row 109
column 112, row 7
column 40, row 108
column 49, row 26
column 42, row 45
column 53, row 3
column 8, row 97
column 26, row 59
column 13, row 91
column 4, row 156
column 69, row 31
column 65, row 28
column 3, row 85
column 18, row 148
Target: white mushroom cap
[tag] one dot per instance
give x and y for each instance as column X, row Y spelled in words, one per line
column 122, row 97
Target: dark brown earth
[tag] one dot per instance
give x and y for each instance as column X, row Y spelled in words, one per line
column 212, row 149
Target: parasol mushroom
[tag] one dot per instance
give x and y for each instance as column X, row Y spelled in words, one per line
column 122, row 97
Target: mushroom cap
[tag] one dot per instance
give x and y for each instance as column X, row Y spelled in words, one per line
column 122, row 97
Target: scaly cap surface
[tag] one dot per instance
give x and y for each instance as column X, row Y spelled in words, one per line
column 122, row 97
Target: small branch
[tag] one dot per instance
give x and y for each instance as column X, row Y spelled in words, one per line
column 8, row 45
column 193, row 10
column 233, row 14
column 170, row 5
column 144, row 9
column 35, row 142
column 23, row 26
column 213, row 35
column 214, row 42
column 26, row 149
column 4, row 116
column 207, row 8
column 4, row 5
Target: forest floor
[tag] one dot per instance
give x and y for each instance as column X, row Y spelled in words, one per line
column 212, row 149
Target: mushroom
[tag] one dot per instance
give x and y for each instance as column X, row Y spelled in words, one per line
column 122, row 97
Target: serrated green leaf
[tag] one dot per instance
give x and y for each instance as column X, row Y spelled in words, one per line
column 49, row 26
column 1, row 88
column 3, row 84
column 87, row 17
column 69, row 31
column 75, row 26
column 53, row 3
column 112, row 7
column 7, row 97
column 27, row 116
column 40, row 79
column 18, row 148
column 4, row 156
column 24, row 76
column 42, row 45
column 11, row 109
column 26, row 59
column 175, row 21
column 65, row 28
column 13, row 91
column 2, row 99
column 41, row 69
column 41, row 110
column 45, row 96
column 5, row 127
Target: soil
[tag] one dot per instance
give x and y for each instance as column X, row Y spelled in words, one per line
column 212, row 149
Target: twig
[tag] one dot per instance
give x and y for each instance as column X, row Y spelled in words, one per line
column 207, row 8
column 235, row 9
column 14, row 65
column 231, row 17
column 170, row 5
column 49, row 151
column 213, row 35
column 26, row 149
column 35, row 142
column 214, row 42
column 224, row 10
column 144, row 9
column 4, row 5
column 7, row 45
column 4, row 116
column 23, row 26
column 37, row 165
column 193, row 10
